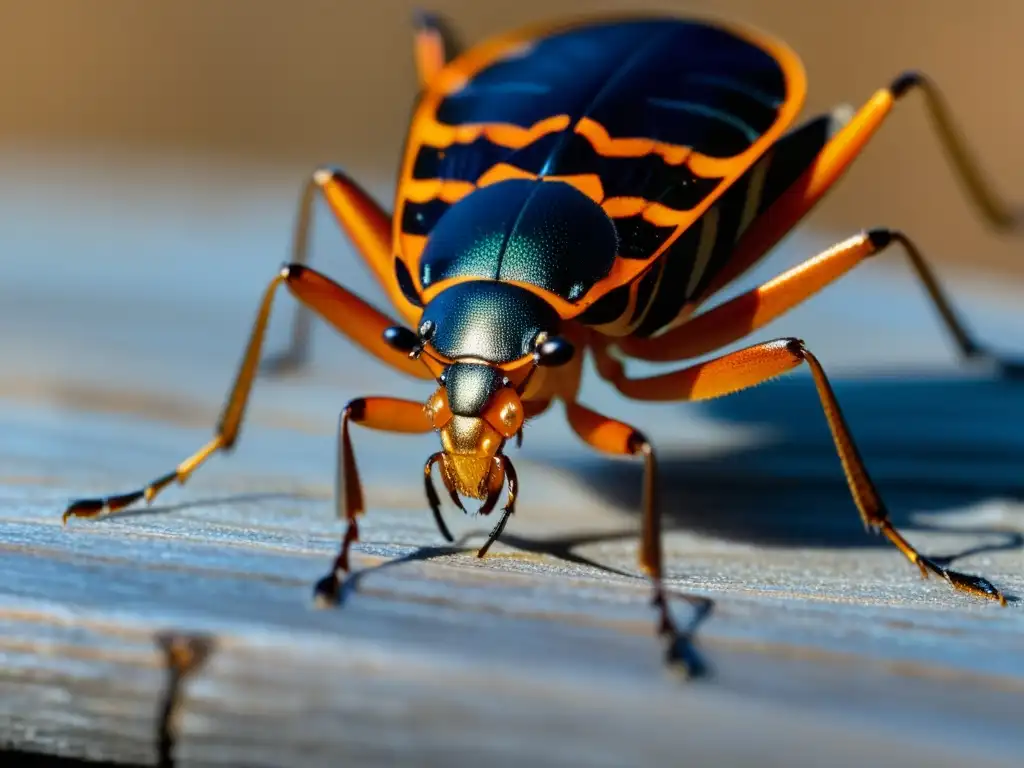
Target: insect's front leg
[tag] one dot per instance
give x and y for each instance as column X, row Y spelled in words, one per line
column 349, row 314
column 618, row 439
column 387, row 414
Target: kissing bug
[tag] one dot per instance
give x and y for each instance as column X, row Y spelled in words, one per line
column 588, row 186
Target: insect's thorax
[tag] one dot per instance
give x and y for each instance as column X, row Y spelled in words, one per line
column 546, row 234
column 491, row 248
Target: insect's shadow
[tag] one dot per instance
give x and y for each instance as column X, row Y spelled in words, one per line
column 564, row 548
column 932, row 444
column 350, row 586
column 682, row 647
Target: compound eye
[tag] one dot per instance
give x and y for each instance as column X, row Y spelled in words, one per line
column 505, row 412
column 401, row 338
column 437, row 408
column 554, row 351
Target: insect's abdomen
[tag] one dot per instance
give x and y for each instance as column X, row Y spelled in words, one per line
column 686, row 269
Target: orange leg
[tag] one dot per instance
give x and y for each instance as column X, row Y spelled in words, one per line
column 433, row 46
column 734, row 319
column 754, row 365
column 618, row 439
column 381, row 413
column 367, row 226
column 802, row 196
column 842, row 150
column 344, row 310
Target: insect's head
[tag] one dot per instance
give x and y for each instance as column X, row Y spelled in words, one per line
column 478, row 404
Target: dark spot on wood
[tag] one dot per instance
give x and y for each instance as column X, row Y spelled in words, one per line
column 183, row 655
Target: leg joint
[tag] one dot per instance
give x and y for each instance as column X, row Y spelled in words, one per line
column 906, row 81
column 797, row 348
column 882, row 237
column 425, row 20
column 292, row 271
column 638, row 445
column 326, row 174
column 354, row 409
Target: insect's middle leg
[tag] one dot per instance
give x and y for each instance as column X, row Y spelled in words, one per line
column 751, row 366
column 349, row 314
column 732, row 320
column 381, row 413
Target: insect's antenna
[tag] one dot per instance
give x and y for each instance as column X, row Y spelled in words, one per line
column 526, row 380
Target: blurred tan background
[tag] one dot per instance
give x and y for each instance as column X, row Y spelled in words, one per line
column 298, row 83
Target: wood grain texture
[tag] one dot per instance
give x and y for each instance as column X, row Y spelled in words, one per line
column 822, row 645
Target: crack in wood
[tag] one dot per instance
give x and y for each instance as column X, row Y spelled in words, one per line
column 183, row 656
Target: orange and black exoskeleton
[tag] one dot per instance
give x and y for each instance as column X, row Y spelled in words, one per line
column 589, row 186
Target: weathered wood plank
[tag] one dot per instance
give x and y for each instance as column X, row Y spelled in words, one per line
column 823, row 646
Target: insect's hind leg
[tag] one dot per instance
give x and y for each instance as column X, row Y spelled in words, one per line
column 791, row 205
column 349, row 314
column 368, row 227
column 991, row 207
column 753, row 365
column 718, row 326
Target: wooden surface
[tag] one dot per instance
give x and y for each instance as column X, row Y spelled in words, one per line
column 126, row 297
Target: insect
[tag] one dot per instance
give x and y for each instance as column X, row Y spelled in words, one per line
column 588, row 186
